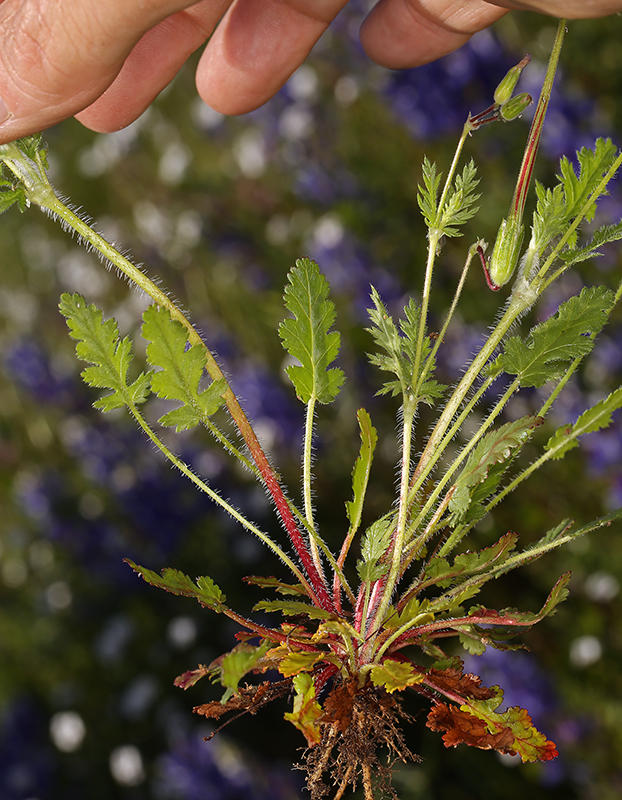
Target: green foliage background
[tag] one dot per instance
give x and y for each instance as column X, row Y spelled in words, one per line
column 222, row 238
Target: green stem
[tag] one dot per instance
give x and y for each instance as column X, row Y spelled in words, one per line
column 454, row 303
column 438, row 489
column 307, row 459
column 185, row 469
column 397, row 550
column 39, row 190
column 417, row 373
column 433, row 451
column 434, row 236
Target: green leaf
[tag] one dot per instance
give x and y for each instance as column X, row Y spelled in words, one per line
column 374, row 546
column 471, row 643
column 172, row 580
column 557, row 341
column 307, row 711
column 400, row 352
column 395, row 675
column 604, row 235
column 472, row 583
column 362, row 467
column 10, row 194
column 593, row 164
column 594, row 419
column 99, row 345
column 414, row 609
column 495, row 447
column 440, row 572
column 558, row 207
column 549, row 219
column 460, row 205
column 292, row 608
column 276, row 584
column 294, row 663
column 427, row 195
column 556, row 537
column 238, row 663
column 512, row 617
column 34, row 147
column 306, row 337
column 181, row 371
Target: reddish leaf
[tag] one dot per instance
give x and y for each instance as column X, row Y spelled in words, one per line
column 247, row 698
column 463, row 728
column 477, row 724
column 339, row 704
column 453, row 681
column 188, row 679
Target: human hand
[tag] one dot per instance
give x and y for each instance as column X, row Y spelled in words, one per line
column 106, row 60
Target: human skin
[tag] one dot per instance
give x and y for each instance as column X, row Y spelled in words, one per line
column 104, row 61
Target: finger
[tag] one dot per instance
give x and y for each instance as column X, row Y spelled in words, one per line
column 408, row 33
column 151, row 66
column 572, row 9
column 56, row 58
column 256, row 47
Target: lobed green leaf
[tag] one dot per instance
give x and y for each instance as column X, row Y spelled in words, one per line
column 460, row 205
column 496, row 447
column 171, row 580
column 400, row 352
column 238, row 663
column 395, row 675
column 427, row 195
column 604, row 235
column 552, row 344
column 110, row 357
column 594, row 419
column 307, row 711
column 292, row 608
column 181, row 371
column 374, row 546
column 573, row 196
column 306, row 336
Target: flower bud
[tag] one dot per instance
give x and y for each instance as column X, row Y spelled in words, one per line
column 515, row 106
column 505, row 89
column 505, row 253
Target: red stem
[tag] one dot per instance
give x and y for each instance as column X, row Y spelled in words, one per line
column 321, row 596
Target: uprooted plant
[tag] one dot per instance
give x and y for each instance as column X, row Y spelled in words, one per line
column 346, row 652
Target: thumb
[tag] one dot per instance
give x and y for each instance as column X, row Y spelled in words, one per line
column 57, row 58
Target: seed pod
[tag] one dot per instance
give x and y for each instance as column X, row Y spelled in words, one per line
column 515, row 106
column 505, row 89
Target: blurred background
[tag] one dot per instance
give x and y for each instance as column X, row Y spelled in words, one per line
column 220, row 208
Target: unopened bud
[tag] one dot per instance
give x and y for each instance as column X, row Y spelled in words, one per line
column 505, row 253
column 505, row 89
column 515, row 106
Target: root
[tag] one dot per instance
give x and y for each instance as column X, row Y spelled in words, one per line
column 359, row 725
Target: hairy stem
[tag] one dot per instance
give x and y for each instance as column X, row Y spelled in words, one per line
column 185, row 469
column 397, row 548
column 38, row 189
